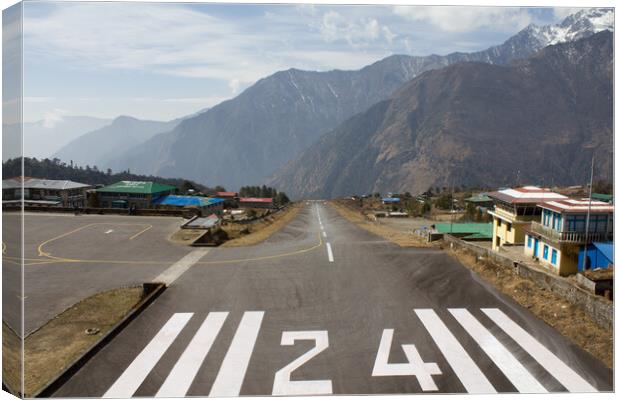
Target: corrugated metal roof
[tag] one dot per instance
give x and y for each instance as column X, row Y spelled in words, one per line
column 36, row 183
column 526, row 195
column 256, row 200
column 481, row 198
column 574, row 206
column 603, row 197
column 484, row 229
column 136, row 187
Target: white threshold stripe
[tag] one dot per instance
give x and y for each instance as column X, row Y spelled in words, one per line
column 131, row 379
column 330, row 255
column 232, row 371
column 560, row 371
column 184, row 371
column 463, row 366
column 180, row 267
column 505, row 361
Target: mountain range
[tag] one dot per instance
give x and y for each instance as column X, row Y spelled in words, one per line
column 538, row 120
column 247, row 139
column 43, row 138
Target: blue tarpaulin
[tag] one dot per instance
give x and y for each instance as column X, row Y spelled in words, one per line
column 599, row 255
column 185, row 201
column 391, row 199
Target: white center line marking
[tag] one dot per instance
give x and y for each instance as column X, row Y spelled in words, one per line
column 330, row 255
column 324, row 234
column 463, row 366
column 131, row 379
column 507, row 363
column 177, row 269
column 560, row 371
column 109, row 231
column 182, row 375
column 232, row 372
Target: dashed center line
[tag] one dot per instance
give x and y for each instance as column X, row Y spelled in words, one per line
column 109, row 231
column 324, row 234
column 330, row 255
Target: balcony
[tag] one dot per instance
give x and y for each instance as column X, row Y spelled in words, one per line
column 570, row 237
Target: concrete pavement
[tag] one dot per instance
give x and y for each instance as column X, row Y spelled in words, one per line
column 360, row 316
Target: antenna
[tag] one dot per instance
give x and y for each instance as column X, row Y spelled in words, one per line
column 585, row 244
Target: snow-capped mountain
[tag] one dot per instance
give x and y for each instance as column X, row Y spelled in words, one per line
column 575, row 26
column 245, row 140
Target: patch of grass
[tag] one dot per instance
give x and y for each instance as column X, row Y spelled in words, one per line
column 61, row 341
column 256, row 232
column 402, row 239
column 568, row 319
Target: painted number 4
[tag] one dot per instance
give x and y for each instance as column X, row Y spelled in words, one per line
column 416, row 367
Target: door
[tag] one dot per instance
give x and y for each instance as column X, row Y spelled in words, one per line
column 535, row 247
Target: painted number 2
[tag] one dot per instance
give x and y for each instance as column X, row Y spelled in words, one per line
column 421, row 370
column 282, row 384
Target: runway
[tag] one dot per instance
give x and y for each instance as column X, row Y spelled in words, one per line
column 325, row 307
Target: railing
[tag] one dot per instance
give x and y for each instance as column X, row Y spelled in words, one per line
column 570, row 237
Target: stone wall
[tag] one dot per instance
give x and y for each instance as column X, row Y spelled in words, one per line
column 600, row 309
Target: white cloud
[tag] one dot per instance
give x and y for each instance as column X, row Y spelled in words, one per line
column 51, row 118
column 234, row 85
column 467, row 19
column 357, row 32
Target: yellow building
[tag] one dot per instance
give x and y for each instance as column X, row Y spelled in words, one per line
column 514, row 211
column 556, row 238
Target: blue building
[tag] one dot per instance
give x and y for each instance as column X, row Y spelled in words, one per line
column 598, row 255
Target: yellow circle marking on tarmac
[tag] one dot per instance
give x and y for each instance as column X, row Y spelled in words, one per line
column 52, row 259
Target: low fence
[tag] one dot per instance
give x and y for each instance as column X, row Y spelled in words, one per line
column 599, row 308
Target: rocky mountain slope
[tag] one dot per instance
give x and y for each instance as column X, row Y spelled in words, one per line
column 244, row 140
column 538, row 119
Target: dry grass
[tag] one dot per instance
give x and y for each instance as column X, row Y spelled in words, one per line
column 400, row 238
column 256, row 232
column 186, row 236
column 11, row 359
column 61, row 341
column 566, row 318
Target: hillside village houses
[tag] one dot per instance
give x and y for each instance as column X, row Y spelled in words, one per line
column 550, row 227
column 514, row 210
column 558, row 237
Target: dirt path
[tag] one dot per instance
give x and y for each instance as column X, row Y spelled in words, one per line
column 260, row 230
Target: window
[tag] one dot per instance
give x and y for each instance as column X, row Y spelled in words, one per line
column 557, row 222
column 546, row 252
column 508, row 227
column 529, row 241
column 554, row 256
column 499, row 223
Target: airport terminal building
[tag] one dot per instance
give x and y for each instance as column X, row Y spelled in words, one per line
column 127, row 194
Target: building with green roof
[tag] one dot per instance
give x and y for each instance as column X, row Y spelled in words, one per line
column 480, row 200
column 607, row 198
column 466, row 231
column 136, row 194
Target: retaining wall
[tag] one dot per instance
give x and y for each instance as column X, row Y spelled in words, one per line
column 600, row 309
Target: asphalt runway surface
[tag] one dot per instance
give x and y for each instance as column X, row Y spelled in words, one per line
column 68, row 258
column 326, row 307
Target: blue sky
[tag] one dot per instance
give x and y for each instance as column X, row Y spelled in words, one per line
column 164, row 60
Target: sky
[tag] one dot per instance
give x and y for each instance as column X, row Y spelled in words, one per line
column 165, row 60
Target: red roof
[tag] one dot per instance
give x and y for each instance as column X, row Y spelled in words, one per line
column 226, row 194
column 256, row 200
column 574, row 206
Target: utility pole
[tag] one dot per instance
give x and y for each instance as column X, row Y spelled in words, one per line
column 585, row 245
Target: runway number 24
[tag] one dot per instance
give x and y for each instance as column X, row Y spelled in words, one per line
column 282, row 384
